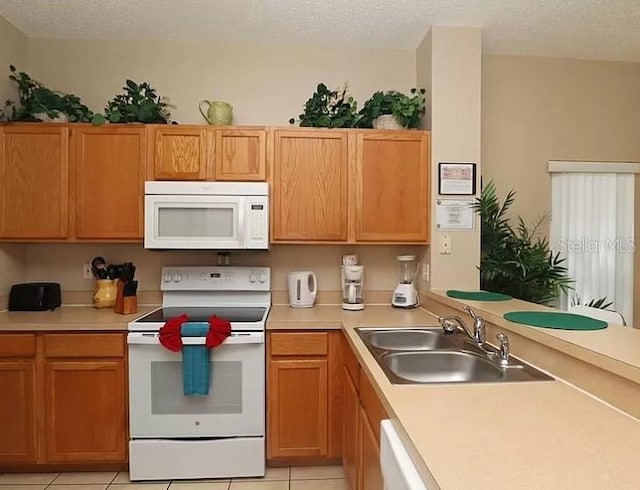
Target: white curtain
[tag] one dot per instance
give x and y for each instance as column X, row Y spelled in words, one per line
column 592, row 227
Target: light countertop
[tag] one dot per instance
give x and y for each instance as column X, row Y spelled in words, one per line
column 615, row 348
column 65, row 318
column 283, row 317
column 530, row 435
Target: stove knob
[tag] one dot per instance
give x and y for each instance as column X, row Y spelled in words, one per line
column 177, row 278
column 262, row 278
column 252, row 278
column 167, row 278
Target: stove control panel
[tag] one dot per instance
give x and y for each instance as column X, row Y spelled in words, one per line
column 216, row 279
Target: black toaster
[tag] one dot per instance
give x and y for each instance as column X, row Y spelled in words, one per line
column 34, row 296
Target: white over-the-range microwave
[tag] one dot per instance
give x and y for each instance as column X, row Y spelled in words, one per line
column 206, row 215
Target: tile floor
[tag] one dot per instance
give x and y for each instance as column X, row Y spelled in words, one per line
column 296, row 478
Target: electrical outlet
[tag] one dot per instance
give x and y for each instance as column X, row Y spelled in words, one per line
column 86, row 271
column 425, row 272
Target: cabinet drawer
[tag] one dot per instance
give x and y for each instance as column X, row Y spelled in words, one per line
column 84, row 345
column 299, row 343
column 17, row 345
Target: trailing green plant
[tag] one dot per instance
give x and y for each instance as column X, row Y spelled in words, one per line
column 515, row 260
column 329, row 109
column 137, row 103
column 408, row 110
column 35, row 100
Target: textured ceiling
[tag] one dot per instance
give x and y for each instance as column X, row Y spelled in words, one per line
column 595, row 29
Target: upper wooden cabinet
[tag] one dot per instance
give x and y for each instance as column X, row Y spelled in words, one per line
column 34, row 180
column 240, row 154
column 207, row 153
column 108, row 180
column 309, row 186
column 180, row 153
column 392, row 186
column 350, row 186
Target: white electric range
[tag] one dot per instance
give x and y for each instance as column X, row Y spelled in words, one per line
column 221, row 435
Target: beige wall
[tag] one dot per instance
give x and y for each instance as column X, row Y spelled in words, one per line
column 324, row 260
column 540, row 109
column 455, row 70
column 13, row 50
column 265, row 84
column 12, row 268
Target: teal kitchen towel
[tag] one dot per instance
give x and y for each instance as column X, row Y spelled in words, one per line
column 195, row 361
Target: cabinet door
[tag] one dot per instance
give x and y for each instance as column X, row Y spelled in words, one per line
column 392, row 187
column 297, row 408
column 86, row 411
column 17, row 411
column 108, row 166
column 370, row 471
column 241, row 154
column 350, row 442
column 33, row 181
column 180, row 153
column 310, row 177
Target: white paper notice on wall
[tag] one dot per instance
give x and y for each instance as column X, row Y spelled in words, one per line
column 455, row 215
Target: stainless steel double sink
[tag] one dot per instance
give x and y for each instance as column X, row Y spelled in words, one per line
column 427, row 355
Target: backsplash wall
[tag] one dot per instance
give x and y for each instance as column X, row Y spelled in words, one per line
column 63, row 263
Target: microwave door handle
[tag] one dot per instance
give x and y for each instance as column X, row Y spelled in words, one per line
column 241, row 219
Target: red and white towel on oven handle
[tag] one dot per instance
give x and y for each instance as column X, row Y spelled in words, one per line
column 171, row 337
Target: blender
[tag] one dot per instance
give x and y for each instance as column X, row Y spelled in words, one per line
column 405, row 294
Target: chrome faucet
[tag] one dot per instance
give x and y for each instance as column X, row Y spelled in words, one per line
column 503, row 353
column 452, row 322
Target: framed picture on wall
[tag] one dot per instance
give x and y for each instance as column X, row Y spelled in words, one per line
column 456, row 179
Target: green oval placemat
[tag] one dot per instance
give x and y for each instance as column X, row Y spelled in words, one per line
column 478, row 295
column 553, row 319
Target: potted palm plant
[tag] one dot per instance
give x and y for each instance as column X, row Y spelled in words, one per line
column 516, row 260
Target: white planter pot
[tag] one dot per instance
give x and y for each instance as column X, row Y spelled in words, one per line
column 387, row 121
column 60, row 118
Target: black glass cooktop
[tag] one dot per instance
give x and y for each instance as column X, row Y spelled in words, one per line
column 202, row 314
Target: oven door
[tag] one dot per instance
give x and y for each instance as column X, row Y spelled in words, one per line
column 192, row 221
column 235, row 405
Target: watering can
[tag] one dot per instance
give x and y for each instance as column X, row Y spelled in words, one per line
column 218, row 113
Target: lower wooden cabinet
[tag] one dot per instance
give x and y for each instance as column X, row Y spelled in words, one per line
column 68, row 399
column 18, row 406
column 363, row 413
column 352, row 428
column 304, row 420
column 370, row 475
column 85, row 411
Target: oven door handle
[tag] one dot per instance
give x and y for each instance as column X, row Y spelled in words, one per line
column 153, row 338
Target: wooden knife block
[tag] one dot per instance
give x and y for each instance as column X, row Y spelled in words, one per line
column 125, row 305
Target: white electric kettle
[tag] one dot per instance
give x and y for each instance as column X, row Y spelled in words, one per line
column 303, row 288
